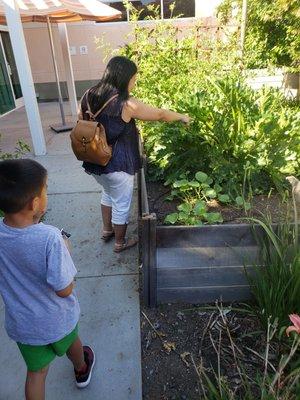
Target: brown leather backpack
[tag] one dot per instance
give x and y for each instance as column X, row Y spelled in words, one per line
column 88, row 138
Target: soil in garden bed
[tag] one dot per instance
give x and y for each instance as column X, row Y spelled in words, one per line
column 174, row 340
column 261, row 205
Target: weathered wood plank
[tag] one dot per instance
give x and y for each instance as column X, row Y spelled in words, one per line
column 145, row 259
column 152, row 261
column 193, row 277
column 206, row 236
column 204, row 295
column 203, row 257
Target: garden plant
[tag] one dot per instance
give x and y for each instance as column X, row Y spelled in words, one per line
column 245, row 140
column 241, row 143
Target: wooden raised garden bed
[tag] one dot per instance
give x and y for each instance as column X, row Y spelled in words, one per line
column 194, row 264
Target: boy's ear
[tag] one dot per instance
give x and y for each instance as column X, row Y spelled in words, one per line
column 34, row 204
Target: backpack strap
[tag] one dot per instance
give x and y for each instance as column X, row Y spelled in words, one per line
column 89, row 111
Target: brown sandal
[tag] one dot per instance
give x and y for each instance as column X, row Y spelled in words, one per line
column 107, row 235
column 128, row 244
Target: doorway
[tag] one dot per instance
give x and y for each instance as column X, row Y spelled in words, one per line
column 6, row 95
column 10, row 88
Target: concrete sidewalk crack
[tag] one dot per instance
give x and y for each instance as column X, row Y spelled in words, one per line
column 60, row 193
column 106, row 276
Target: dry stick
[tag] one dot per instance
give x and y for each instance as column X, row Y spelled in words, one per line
column 218, row 353
column 267, row 354
column 294, row 348
column 152, row 326
column 157, row 332
column 205, row 332
column 232, row 344
column 261, row 357
column 199, row 376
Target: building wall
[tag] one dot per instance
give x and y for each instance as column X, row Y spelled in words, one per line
column 89, row 67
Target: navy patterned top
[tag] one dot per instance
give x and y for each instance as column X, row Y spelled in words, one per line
column 123, row 136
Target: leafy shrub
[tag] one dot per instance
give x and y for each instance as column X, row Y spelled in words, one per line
column 239, row 137
column 236, row 132
column 272, row 35
column 196, row 195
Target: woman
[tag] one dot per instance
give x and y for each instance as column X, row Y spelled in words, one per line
column 118, row 118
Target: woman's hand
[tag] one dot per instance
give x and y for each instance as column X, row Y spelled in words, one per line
column 139, row 110
column 186, row 119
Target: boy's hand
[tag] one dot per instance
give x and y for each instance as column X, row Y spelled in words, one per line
column 66, row 291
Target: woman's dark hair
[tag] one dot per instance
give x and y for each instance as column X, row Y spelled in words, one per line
column 116, row 77
column 20, row 181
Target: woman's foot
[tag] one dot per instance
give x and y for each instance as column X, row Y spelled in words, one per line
column 107, row 235
column 127, row 244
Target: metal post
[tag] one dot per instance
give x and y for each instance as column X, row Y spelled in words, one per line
column 162, row 9
column 243, row 26
column 64, row 40
column 63, row 127
column 14, row 24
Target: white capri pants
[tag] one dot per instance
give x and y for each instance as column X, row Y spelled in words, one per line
column 117, row 193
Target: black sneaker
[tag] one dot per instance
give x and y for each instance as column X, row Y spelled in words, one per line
column 83, row 379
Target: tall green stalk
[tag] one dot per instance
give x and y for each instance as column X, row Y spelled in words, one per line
column 276, row 282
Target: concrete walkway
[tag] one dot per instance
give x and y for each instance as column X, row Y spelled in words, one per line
column 107, row 284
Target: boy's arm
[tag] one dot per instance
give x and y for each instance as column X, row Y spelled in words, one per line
column 60, row 268
column 66, row 292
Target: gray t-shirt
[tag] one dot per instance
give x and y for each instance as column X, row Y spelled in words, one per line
column 34, row 263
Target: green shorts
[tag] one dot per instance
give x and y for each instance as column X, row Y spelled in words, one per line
column 38, row 357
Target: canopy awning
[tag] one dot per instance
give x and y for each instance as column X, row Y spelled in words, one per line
column 63, row 11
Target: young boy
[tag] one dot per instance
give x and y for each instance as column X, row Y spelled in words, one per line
column 37, row 279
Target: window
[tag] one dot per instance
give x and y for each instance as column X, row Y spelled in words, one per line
column 118, row 5
column 143, row 7
column 182, row 8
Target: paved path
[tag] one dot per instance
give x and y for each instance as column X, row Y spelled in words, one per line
column 107, row 287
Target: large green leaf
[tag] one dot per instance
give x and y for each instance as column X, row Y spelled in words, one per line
column 180, row 183
column 201, row 176
column 211, row 193
column 224, row 198
column 171, row 218
column 185, row 207
column 213, row 217
column 200, row 208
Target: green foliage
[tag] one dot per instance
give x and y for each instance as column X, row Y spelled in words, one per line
column 245, row 140
column 276, row 285
column 273, row 31
column 20, row 149
column 236, row 131
column 196, row 194
column 276, row 379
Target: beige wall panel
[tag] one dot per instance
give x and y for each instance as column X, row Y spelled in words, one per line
column 86, row 67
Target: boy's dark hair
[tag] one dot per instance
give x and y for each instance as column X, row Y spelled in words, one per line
column 20, row 181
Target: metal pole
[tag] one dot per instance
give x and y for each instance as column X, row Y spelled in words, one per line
column 243, row 26
column 162, row 9
column 64, row 41
column 56, row 72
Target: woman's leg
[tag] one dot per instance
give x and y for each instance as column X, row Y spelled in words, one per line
column 106, row 208
column 121, row 191
column 106, row 218
column 35, row 384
